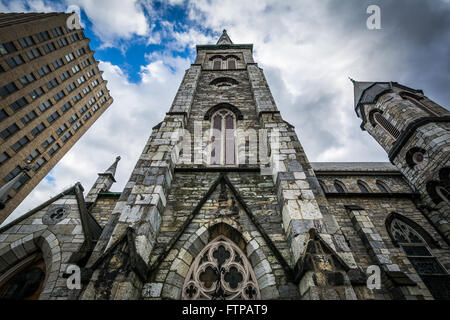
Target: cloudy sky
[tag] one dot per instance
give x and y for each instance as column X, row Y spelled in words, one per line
column 307, row 49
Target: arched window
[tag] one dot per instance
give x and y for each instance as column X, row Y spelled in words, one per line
column 231, row 64
column 221, row 271
column 223, row 147
column 217, row 64
column 443, row 192
column 339, row 186
column 414, row 241
column 363, row 187
column 382, row 186
column 323, row 186
column 25, row 280
column 419, row 104
column 376, row 118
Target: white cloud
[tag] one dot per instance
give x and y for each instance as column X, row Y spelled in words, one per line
column 114, row 19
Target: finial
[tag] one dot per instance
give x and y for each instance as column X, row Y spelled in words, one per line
column 352, row 80
column 118, row 158
column 224, row 30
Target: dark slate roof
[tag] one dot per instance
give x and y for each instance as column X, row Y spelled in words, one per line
column 354, row 166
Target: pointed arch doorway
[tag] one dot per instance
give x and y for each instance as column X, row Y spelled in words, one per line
column 221, row 271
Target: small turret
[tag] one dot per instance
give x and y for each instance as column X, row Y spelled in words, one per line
column 103, row 182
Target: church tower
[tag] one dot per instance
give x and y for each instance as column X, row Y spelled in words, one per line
column 223, row 202
column 415, row 132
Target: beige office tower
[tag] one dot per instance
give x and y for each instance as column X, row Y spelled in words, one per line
column 51, row 92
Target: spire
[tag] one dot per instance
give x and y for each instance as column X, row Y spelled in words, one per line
column 359, row 88
column 112, row 169
column 224, row 38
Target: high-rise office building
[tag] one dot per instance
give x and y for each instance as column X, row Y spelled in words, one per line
column 51, row 92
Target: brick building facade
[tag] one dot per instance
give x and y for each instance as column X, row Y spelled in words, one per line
column 224, row 204
column 51, row 92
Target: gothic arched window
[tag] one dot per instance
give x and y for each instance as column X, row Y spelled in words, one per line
column 25, row 280
column 414, row 242
column 221, row 271
column 382, row 186
column 231, row 64
column 419, row 104
column 363, row 187
column 217, row 64
column 339, row 186
column 376, row 118
column 223, row 147
column 323, row 186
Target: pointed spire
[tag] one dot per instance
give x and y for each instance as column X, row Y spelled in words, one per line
column 224, row 38
column 112, row 169
column 359, row 88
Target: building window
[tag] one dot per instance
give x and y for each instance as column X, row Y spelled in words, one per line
column 73, row 118
column 90, row 73
column 94, row 83
column 418, row 103
column 223, row 138
column 382, row 186
column 443, row 192
column 83, row 109
column 3, row 115
column 74, row 37
column 38, row 129
column 66, row 106
column 339, row 186
column 36, row 93
column 26, row 42
column 27, row 79
column 53, row 117
column 91, row 101
column 86, row 90
column 231, row 64
column 413, row 243
column 81, row 79
column 29, row 117
column 81, row 51
column 15, row 61
column 64, row 76
column 19, row 104
column 217, row 64
column 59, row 96
column 416, row 158
column 20, row 143
column 52, row 83
column 4, row 157
column 8, row 132
column 87, row 116
column 13, row 173
column 95, row 108
column 48, row 142
column 86, row 63
column 61, row 129
column 62, row 42
column 43, row 36
column 19, row 184
column 66, row 136
column 70, row 57
column 376, row 118
column 45, row 105
column 8, row 89
column 77, row 126
column 33, row 53
column 49, row 47
column 57, row 32
column 53, row 149
column 39, row 164
column 76, row 98
column 221, row 271
column 58, row 63
column 75, row 69
column 44, row 70
column 363, row 186
column 32, row 156
column 71, row 87
column 7, row 47
column 323, row 186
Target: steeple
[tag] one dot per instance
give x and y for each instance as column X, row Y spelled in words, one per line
column 224, row 38
column 103, row 182
column 112, row 169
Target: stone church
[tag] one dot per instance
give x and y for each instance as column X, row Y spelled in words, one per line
column 224, row 204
